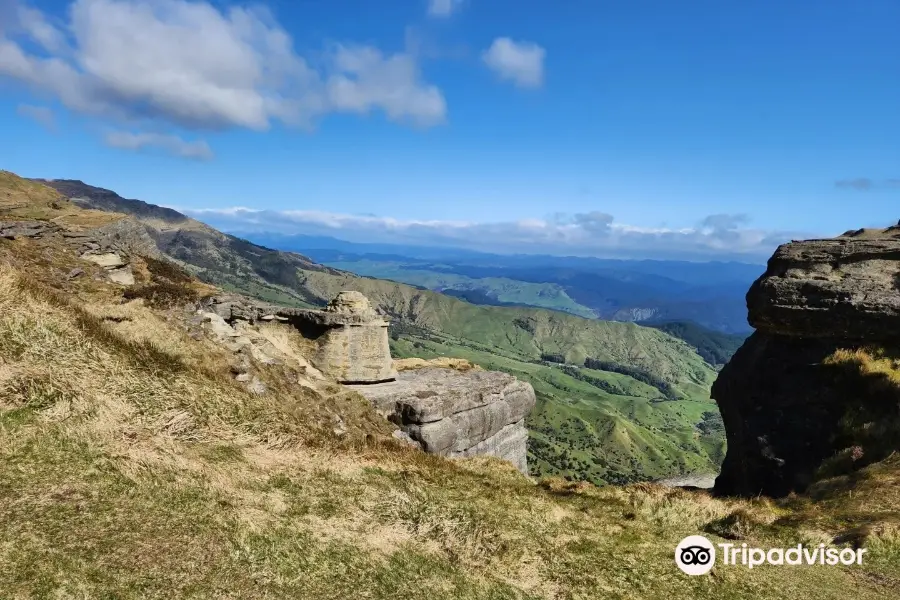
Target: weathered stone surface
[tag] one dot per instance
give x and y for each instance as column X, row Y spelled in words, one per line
column 123, row 276
column 781, row 413
column 351, row 338
column 355, row 354
column 842, row 288
column 26, row 229
column 457, row 413
column 785, row 405
column 701, row 482
column 108, row 260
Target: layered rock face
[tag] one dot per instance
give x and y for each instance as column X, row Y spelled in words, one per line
column 354, row 346
column 442, row 410
column 103, row 246
column 459, row 414
column 350, row 338
column 787, row 404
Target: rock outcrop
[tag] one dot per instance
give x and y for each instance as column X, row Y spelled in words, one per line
column 458, row 414
column 452, row 408
column 26, row 229
column 797, row 395
column 843, row 288
column 99, row 246
column 350, row 339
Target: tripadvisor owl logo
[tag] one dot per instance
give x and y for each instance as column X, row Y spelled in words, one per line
column 695, row 555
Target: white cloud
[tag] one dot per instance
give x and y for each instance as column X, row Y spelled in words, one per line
column 192, row 65
column 41, row 114
column 443, row 8
column 587, row 234
column 519, row 62
column 365, row 79
column 171, row 144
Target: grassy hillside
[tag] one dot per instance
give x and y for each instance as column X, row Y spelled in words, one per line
column 597, row 426
column 714, row 347
column 525, row 332
column 614, row 433
column 573, row 431
column 133, row 465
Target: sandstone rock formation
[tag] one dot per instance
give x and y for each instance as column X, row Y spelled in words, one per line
column 457, row 413
column 787, row 403
column 26, row 229
column 353, row 345
column 448, row 407
column 350, row 338
column 842, row 288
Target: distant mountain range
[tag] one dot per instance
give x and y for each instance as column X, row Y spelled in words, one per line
column 710, row 294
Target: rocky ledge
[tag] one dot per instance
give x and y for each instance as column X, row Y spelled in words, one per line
column 442, row 410
column 846, row 287
column 458, row 414
column 788, row 404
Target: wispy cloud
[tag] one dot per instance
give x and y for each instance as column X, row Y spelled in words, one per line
column 171, row 144
column 192, row 65
column 864, row 184
column 519, row 62
column 443, row 8
column 41, row 114
column 587, row 234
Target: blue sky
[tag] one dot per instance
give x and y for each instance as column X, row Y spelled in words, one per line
column 589, row 127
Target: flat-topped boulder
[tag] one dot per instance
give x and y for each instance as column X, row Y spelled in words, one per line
column 839, row 288
column 350, row 337
column 459, row 413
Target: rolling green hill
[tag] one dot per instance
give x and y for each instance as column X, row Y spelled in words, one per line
column 599, row 425
column 714, row 347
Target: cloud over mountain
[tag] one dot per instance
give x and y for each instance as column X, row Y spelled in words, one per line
column 587, row 234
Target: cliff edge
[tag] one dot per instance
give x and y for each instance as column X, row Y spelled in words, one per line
column 813, row 392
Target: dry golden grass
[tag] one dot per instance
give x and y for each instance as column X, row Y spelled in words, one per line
column 871, row 362
column 458, row 364
column 23, row 199
column 17, row 193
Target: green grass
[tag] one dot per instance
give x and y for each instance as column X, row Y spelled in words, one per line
column 525, row 333
column 581, row 432
column 605, row 433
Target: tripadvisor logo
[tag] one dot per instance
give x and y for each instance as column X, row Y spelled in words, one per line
column 696, row 555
